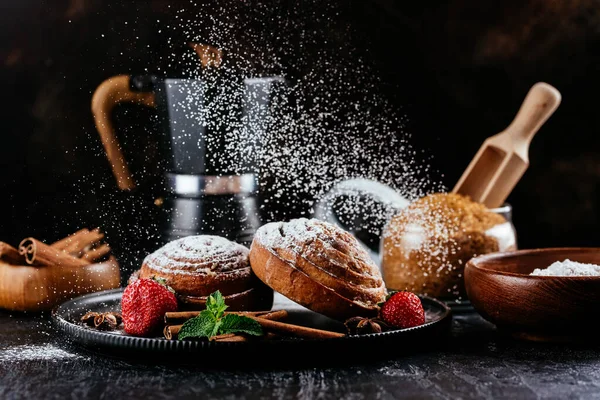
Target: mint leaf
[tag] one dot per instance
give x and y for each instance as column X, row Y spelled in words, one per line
column 232, row 323
column 213, row 321
column 216, row 327
column 197, row 327
column 215, row 304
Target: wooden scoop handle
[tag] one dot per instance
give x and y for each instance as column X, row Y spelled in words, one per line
column 539, row 104
column 503, row 158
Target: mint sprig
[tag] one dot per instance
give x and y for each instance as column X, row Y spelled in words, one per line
column 232, row 323
column 213, row 321
column 200, row 326
column 215, row 304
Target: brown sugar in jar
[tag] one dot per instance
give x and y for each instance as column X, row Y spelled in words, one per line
column 426, row 245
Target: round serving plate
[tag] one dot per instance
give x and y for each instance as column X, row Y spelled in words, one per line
column 354, row 348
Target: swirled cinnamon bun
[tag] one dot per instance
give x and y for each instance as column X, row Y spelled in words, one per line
column 319, row 266
column 196, row 266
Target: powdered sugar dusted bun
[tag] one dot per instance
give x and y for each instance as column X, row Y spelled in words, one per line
column 204, row 254
column 196, row 266
column 318, row 265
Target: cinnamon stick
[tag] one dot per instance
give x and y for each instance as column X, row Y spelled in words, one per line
column 273, row 315
column 83, row 242
column 221, row 336
column 295, row 330
column 38, row 253
column 171, row 331
column 63, row 243
column 10, row 255
column 182, row 316
column 228, row 337
column 97, row 253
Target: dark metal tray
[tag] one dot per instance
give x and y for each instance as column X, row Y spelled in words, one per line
column 288, row 350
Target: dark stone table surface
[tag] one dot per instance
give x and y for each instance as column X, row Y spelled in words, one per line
column 477, row 362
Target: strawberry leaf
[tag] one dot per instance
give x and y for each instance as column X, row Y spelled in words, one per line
column 160, row 280
column 390, row 294
column 163, row 282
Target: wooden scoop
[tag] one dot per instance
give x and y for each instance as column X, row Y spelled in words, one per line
column 503, row 158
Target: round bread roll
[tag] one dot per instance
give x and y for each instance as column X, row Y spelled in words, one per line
column 319, row 266
column 196, row 266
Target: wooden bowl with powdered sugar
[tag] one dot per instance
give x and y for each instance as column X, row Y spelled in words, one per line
column 556, row 306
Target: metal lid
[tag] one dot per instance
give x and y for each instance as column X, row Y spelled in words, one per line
column 198, row 185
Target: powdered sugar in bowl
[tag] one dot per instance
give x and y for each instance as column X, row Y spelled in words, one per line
column 541, row 306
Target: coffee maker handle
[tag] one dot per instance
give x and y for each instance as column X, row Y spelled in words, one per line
column 115, row 90
column 357, row 188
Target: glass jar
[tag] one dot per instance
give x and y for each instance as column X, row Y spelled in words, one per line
column 429, row 261
column 411, row 256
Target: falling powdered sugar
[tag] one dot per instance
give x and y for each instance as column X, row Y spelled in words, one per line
column 332, row 121
column 568, row 268
column 333, row 117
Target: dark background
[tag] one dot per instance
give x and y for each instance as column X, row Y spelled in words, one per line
column 458, row 70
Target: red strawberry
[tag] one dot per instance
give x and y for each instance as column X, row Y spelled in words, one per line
column 403, row 310
column 144, row 305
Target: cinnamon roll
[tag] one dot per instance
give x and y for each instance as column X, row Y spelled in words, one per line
column 196, row 266
column 319, row 266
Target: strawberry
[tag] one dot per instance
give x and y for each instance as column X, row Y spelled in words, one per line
column 144, row 305
column 403, row 310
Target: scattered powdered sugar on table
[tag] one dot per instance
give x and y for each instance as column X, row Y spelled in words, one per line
column 568, row 268
column 37, row 352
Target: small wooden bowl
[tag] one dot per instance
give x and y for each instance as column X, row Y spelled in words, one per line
column 541, row 308
column 29, row 288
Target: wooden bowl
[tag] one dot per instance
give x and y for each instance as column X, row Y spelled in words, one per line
column 542, row 308
column 29, row 288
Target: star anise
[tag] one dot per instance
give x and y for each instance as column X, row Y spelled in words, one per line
column 102, row 321
column 89, row 317
column 362, row 325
